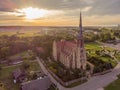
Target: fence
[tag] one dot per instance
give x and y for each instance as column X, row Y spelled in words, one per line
column 101, row 73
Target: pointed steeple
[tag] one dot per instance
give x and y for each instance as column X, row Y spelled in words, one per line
column 81, row 49
column 80, row 36
column 80, row 25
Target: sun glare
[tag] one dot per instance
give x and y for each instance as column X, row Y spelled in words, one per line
column 33, row 13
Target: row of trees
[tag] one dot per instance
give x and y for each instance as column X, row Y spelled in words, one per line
column 101, row 36
column 10, row 45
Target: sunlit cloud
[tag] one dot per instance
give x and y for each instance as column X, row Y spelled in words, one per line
column 59, row 12
column 35, row 13
column 86, row 9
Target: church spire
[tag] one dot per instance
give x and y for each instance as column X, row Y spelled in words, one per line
column 80, row 26
column 80, row 36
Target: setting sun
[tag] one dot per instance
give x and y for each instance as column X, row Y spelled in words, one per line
column 33, row 13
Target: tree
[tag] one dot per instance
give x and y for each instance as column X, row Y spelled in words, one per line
column 4, row 52
column 0, row 69
column 25, row 66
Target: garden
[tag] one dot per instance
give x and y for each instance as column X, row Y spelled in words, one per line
column 103, row 58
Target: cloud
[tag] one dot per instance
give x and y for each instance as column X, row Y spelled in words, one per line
column 105, row 7
column 102, row 20
column 70, row 9
column 7, row 5
column 91, row 7
column 86, row 9
column 53, row 4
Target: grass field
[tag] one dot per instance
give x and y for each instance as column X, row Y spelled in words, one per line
column 114, row 85
column 93, row 46
column 6, row 77
column 23, row 34
column 5, row 72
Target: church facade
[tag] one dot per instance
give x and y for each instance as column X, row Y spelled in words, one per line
column 71, row 53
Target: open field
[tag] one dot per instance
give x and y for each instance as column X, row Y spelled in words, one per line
column 22, row 34
column 96, row 46
column 24, row 56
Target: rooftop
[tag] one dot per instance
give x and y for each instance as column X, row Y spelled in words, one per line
column 38, row 84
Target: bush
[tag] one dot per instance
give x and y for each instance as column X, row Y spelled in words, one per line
column 100, row 65
column 25, row 66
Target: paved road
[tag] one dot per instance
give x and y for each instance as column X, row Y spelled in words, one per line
column 117, row 46
column 47, row 73
column 16, row 64
column 95, row 83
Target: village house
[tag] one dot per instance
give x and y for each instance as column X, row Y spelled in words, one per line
column 19, row 75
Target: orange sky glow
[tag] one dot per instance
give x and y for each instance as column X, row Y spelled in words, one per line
column 59, row 13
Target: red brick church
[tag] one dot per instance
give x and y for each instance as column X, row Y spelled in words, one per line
column 71, row 53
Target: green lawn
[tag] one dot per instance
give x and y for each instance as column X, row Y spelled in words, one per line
column 5, row 72
column 93, row 46
column 76, row 84
column 114, row 85
column 108, row 59
column 6, row 77
column 96, row 46
column 34, row 66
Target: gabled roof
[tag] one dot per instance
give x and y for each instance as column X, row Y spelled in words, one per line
column 38, row 84
column 17, row 73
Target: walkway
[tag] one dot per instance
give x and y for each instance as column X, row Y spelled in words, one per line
column 16, row 64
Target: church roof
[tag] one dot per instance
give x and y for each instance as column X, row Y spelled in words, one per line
column 68, row 44
column 66, row 47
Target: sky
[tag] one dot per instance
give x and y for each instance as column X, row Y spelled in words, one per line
column 59, row 12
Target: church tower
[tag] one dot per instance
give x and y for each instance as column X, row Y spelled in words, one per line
column 80, row 45
column 55, row 50
column 71, row 53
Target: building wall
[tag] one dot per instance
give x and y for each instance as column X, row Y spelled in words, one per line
column 55, row 50
column 73, row 59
